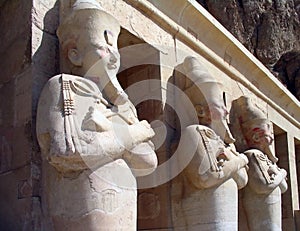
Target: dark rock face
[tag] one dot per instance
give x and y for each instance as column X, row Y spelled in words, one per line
column 270, row 29
column 288, row 69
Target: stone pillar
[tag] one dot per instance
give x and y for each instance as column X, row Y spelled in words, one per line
column 282, row 150
column 293, row 152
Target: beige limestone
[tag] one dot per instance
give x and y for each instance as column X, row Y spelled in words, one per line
column 92, row 143
column 262, row 196
column 204, row 196
column 35, row 22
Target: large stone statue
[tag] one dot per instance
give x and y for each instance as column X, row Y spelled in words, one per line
column 208, row 198
column 262, row 196
column 91, row 141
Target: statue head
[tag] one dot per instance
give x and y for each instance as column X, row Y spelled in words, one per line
column 255, row 126
column 206, row 96
column 88, row 37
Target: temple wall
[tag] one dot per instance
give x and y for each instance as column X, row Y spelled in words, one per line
column 15, row 115
column 28, row 53
column 31, row 56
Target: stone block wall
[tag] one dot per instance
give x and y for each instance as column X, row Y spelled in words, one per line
column 29, row 58
column 15, row 115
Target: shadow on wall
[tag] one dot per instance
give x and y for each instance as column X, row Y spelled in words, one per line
column 45, row 59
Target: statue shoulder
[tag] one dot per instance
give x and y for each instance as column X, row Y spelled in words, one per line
column 207, row 132
column 57, row 79
column 254, row 153
column 50, row 92
column 53, row 82
column 257, row 156
column 77, row 84
column 53, row 87
column 203, row 130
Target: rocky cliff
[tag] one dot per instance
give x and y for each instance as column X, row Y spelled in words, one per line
column 270, row 29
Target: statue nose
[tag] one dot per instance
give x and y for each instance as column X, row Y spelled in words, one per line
column 113, row 56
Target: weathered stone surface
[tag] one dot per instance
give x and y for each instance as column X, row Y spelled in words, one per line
column 45, row 15
column 153, row 208
column 16, row 46
column 269, row 29
column 6, row 154
column 22, row 98
column 15, row 212
column 12, row 141
column 7, row 110
column 21, row 210
column 288, row 68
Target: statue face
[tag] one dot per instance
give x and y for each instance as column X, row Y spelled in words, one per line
column 262, row 139
column 218, row 111
column 101, row 63
column 99, row 57
column 100, row 60
column 216, row 115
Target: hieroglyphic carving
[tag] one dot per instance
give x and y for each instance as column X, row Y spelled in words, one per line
column 109, row 200
column 148, row 205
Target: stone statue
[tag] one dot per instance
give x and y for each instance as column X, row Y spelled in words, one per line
column 92, row 143
column 209, row 194
column 262, row 195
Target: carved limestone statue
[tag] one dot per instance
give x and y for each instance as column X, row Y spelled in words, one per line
column 208, row 198
column 262, row 196
column 92, row 143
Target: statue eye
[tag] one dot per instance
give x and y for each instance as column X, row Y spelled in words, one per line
column 108, row 37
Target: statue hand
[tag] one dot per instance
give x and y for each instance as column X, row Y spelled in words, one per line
column 273, row 171
column 283, row 184
column 132, row 135
column 283, row 172
column 144, row 130
column 244, row 159
column 240, row 160
column 95, row 120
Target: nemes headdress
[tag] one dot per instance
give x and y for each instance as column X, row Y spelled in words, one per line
column 87, row 16
column 248, row 116
column 201, row 87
